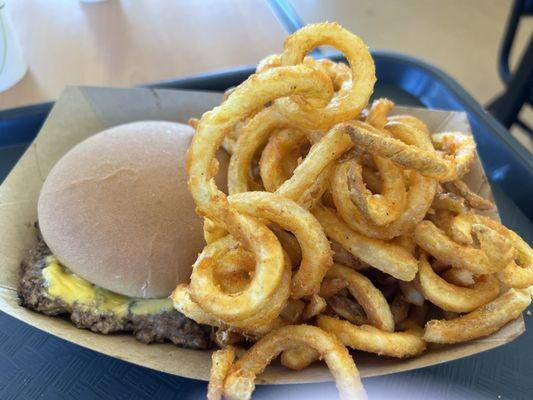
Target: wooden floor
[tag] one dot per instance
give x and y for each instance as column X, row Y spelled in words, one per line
column 127, row 42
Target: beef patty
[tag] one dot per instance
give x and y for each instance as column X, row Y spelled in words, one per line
column 147, row 324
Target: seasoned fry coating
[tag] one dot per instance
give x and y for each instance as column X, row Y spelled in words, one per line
column 374, row 340
column 342, row 216
column 389, row 258
column 221, row 364
column 481, row 322
column 240, row 380
column 367, row 295
column 450, row 297
column 493, row 256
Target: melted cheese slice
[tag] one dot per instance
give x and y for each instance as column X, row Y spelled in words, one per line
column 73, row 290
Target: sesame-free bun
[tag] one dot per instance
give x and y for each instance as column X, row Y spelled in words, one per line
column 116, row 211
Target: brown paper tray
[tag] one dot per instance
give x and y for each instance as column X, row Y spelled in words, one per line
column 83, row 111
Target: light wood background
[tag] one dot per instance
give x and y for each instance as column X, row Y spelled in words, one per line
column 461, row 37
column 129, row 42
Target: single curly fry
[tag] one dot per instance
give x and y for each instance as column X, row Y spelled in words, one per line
column 235, row 307
column 481, row 322
column 427, row 162
column 353, row 95
column 450, row 297
column 386, row 257
column 374, row 340
column 181, row 298
column 255, row 326
column 518, row 274
column 494, row 254
column 240, row 380
column 419, row 199
column 367, row 295
column 316, row 251
column 221, row 362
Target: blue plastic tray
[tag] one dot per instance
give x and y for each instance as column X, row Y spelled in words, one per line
column 34, row 364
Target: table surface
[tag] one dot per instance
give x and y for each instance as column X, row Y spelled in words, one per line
column 130, row 42
column 126, row 43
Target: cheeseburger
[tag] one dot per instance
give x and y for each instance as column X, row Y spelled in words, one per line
column 117, row 233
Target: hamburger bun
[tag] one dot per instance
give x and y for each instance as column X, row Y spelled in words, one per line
column 116, row 211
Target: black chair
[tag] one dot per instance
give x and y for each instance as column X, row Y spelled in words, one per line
column 518, row 92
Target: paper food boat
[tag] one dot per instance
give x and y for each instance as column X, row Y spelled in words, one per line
column 83, row 111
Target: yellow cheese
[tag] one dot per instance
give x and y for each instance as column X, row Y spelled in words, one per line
column 107, row 301
column 67, row 287
column 72, row 290
column 151, row 306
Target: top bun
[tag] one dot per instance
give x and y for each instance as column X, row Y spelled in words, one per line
column 116, row 210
